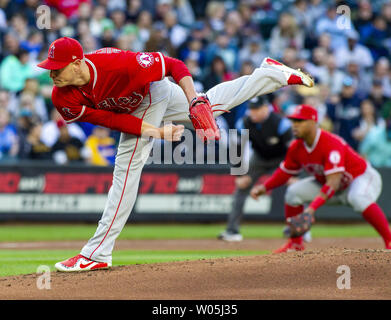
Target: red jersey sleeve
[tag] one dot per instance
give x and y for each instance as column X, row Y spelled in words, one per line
column 334, row 159
column 176, row 68
column 291, row 165
column 72, row 112
column 146, row 66
column 154, row 66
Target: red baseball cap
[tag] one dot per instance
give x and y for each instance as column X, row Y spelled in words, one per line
column 62, row 52
column 304, row 112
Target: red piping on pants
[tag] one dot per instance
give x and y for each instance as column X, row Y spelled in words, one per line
column 126, row 178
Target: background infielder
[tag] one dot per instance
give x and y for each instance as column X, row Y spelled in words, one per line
column 338, row 175
column 128, row 92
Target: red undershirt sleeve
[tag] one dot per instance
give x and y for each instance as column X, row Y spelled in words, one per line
column 117, row 121
column 176, row 69
column 277, row 179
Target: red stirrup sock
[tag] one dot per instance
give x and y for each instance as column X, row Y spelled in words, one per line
column 291, row 211
column 376, row 217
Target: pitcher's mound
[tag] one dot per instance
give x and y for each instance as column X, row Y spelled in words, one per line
column 307, row 275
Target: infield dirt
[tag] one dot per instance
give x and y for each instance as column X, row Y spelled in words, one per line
column 311, row 274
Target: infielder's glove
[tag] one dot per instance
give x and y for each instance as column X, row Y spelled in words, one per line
column 298, row 225
column 201, row 115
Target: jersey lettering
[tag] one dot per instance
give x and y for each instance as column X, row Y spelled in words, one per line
column 126, row 104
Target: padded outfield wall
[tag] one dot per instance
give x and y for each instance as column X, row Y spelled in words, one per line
column 168, row 193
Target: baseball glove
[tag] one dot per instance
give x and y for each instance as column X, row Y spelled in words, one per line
column 201, row 115
column 300, row 224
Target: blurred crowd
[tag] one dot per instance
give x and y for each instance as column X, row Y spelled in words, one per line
column 347, row 52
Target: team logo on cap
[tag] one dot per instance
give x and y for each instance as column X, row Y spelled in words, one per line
column 145, row 59
column 51, row 52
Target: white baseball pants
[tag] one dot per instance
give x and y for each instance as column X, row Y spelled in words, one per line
column 362, row 192
column 165, row 102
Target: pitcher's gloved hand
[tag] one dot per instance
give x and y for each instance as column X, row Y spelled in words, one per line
column 201, row 115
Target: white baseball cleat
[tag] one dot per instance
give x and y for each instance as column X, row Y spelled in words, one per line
column 80, row 263
column 230, row 236
column 307, row 237
column 293, row 76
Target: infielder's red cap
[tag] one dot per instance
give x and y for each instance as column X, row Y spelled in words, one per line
column 62, row 52
column 304, row 112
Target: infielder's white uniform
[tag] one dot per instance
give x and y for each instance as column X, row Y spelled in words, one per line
column 362, row 192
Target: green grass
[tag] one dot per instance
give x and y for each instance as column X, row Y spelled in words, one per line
column 58, row 232
column 14, row 262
